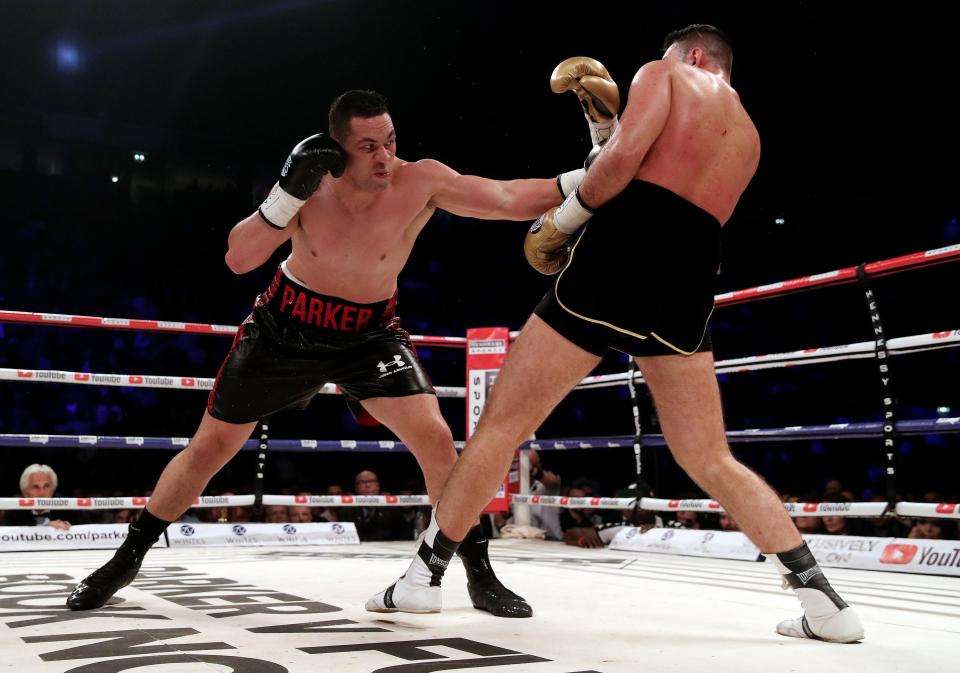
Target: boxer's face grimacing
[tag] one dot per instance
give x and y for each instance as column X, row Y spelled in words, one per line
column 370, row 147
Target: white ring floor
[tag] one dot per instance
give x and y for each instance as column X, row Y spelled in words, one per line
column 270, row 610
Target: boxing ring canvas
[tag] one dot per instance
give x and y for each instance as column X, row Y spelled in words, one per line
column 269, row 610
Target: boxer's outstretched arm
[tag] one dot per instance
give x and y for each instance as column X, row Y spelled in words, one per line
column 252, row 242
column 472, row 196
column 640, row 125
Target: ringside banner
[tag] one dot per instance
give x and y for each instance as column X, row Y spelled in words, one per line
column 260, row 534
column 929, row 557
column 713, row 543
column 486, row 351
column 46, row 538
column 179, row 534
column 904, row 555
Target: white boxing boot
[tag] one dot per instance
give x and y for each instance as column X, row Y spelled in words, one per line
column 418, row 589
column 825, row 615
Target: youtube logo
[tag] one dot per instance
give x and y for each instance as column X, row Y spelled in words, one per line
column 898, row 554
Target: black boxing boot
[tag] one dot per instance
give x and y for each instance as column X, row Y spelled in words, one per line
column 826, row 616
column 99, row 586
column 486, row 591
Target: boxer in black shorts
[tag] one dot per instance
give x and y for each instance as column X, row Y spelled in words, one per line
column 352, row 211
column 640, row 277
column 296, row 340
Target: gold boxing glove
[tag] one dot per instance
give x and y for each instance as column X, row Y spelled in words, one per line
column 547, row 245
column 598, row 93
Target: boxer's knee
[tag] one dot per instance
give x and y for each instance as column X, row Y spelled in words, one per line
column 443, row 438
column 209, row 450
column 714, row 473
column 437, row 443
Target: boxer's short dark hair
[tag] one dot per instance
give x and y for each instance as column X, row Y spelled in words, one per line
column 354, row 103
column 709, row 38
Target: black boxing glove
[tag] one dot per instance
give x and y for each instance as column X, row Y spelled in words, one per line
column 306, row 165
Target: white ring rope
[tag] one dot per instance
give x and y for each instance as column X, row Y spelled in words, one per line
column 794, row 509
column 808, row 356
column 206, row 501
column 860, row 350
column 149, row 381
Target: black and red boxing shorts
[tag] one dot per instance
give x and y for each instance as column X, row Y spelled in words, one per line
column 297, row 340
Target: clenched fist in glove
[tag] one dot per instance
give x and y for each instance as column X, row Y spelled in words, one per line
column 547, row 245
column 598, row 93
column 308, row 162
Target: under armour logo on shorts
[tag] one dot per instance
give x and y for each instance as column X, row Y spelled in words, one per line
column 397, row 362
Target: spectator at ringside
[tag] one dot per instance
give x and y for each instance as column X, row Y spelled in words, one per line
column 927, row 529
column 276, row 514
column 542, row 482
column 841, row 525
column 233, row 514
column 728, row 523
column 688, row 520
column 807, row 525
column 40, row 481
column 884, row 526
column 304, row 514
column 632, row 517
column 580, row 517
column 332, row 513
column 377, row 523
column 418, row 518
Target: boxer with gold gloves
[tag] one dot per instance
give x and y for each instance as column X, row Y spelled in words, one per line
column 641, row 280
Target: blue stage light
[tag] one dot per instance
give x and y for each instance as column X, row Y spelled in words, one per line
column 68, row 56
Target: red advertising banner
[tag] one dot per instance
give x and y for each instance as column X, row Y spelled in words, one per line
column 486, row 351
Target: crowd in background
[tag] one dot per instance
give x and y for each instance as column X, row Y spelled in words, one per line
column 150, row 245
column 575, row 526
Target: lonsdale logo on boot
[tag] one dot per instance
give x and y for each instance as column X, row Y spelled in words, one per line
column 807, row 575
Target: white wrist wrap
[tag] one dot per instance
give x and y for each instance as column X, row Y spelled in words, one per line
column 571, row 214
column 600, row 132
column 567, row 182
column 279, row 208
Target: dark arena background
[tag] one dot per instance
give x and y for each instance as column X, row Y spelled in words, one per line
column 858, row 145
column 134, row 135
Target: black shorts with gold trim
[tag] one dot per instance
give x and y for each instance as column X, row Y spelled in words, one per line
column 641, row 278
column 297, row 340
